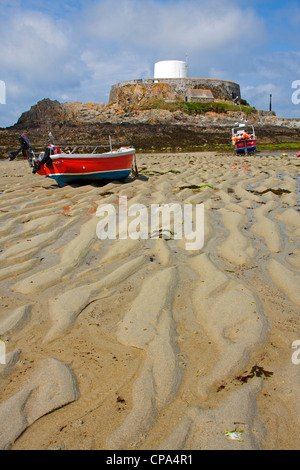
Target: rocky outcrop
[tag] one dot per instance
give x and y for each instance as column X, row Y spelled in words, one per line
column 42, row 111
column 146, row 129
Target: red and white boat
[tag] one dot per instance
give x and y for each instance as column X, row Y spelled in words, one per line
column 243, row 138
column 68, row 168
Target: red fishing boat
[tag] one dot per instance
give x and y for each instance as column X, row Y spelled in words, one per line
column 67, row 168
column 243, row 138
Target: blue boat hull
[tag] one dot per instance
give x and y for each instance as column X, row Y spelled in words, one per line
column 242, row 150
column 64, row 179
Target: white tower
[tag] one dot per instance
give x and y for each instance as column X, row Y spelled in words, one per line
column 171, row 69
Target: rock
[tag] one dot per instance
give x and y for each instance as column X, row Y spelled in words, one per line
column 132, row 122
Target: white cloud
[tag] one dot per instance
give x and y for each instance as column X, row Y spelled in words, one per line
column 56, row 51
column 173, row 26
column 278, row 65
column 272, row 74
column 259, row 96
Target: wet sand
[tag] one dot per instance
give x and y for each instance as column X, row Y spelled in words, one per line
column 142, row 344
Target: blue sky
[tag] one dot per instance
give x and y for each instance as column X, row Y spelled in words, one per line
column 74, row 50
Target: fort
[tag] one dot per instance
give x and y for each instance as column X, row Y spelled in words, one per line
column 171, row 83
column 200, row 90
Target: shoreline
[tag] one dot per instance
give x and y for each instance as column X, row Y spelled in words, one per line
column 264, row 150
column 141, row 344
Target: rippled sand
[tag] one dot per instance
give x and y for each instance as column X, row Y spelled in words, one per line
column 142, row 344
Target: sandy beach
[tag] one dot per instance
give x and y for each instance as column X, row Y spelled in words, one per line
column 142, row 344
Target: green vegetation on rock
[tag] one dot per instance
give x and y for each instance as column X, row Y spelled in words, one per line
column 193, row 108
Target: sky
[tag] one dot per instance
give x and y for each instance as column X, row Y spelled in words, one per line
column 74, row 50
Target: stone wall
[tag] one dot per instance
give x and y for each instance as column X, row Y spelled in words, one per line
column 199, row 95
column 135, row 91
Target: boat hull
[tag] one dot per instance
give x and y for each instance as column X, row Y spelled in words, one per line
column 240, row 147
column 70, row 168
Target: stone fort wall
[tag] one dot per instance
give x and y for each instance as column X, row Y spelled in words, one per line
column 135, row 91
